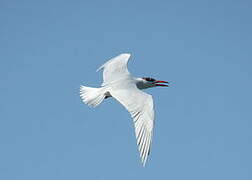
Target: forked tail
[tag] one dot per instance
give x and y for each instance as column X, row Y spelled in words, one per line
column 92, row 96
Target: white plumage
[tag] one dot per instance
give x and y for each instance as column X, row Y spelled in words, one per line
column 118, row 83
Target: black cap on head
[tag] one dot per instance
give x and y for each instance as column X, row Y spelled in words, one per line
column 149, row 79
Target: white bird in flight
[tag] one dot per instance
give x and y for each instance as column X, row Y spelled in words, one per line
column 119, row 84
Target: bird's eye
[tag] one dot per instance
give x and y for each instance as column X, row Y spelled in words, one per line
column 149, row 79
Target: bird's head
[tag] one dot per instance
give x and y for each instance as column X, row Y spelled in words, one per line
column 151, row 82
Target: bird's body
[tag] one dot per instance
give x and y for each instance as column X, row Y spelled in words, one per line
column 119, row 84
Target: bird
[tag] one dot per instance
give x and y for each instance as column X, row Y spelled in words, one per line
column 127, row 90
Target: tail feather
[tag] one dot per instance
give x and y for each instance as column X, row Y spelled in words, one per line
column 91, row 96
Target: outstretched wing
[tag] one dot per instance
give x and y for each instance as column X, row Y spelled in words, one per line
column 115, row 69
column 140, row 106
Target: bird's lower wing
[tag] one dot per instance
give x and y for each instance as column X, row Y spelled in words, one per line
column 140, row 106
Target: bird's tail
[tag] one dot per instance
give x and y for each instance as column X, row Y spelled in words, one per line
column 92, row 96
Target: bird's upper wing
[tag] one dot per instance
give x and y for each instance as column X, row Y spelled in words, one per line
column 115, row 68
column 140, row 106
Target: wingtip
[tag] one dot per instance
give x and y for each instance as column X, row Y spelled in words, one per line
column 144, row 162
column 124, row 55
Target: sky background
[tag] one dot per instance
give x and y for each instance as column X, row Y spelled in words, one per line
column 203, row 127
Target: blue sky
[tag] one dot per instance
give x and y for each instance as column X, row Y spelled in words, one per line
column 203, row 126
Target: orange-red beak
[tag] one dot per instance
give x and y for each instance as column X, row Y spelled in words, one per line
column 157, row 83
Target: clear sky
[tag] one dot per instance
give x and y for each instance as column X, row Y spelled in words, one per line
column 203, row 128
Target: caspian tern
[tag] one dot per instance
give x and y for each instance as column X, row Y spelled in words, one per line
column 119, row 84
